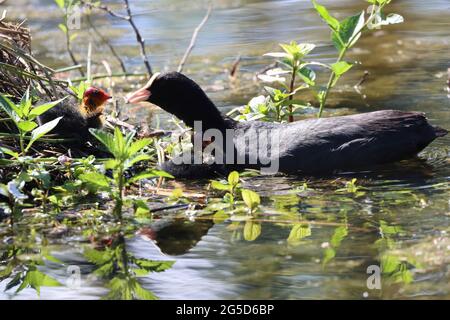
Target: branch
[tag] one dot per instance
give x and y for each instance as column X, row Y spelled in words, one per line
column 107, row 43
column 104, row 8
column 139, row 38
column 129, row 18
column 194, row 38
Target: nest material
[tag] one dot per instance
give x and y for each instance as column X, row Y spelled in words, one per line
column 19, row 70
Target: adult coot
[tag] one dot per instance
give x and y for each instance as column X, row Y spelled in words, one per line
column 308, row 146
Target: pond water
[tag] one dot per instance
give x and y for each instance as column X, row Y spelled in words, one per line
column 316, row 243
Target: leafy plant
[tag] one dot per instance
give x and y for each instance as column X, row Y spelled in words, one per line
column 123, row 269
column 19, row 263
column 346, row 33
column 24, row 116
column 251, row 199
column 294, row 67
column 126, row 153
column 232, row 185
column 79, row 90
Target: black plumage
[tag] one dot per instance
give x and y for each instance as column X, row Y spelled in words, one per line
column 308, row 146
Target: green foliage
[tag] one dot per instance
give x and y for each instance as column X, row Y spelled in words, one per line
column 295, row 73
column 123, row 269
column 298, row 232
column 80, row 89
column 345, row 34
column 252, row 230
column 126, row 153
column 24, row 115
column 232, row 185
column 251, row 199
column 280, row 104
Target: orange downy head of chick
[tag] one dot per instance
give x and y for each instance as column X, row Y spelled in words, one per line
column 94, row 99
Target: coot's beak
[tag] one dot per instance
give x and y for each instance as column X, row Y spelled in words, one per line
column 142, row 94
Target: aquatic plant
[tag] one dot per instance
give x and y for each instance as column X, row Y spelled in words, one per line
column 126, row 153
column 281, row 103
column 24, row 116
column 122, row 270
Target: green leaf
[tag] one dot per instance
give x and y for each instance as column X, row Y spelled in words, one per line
column 142, row 293
column 37, row 111
column 233, row 178
column 36, row 279
column 149, row 174
column 14, row 282
column 25, row 103
column 252, row 230
column 298, row 232
column 328, row 255
column 220, row 186
column 42, row 130
column 10, row 108
column 136, row 159
column 60, row 3
column 95, row 178
column 154, row 266
column 105, row 138
column 26, row 126
column 325, row 15
column 9, row 152
column 119, row 143
column 141, row 207
column 138, row 145
column 73, row 36
column 339, row 234
column 251, row 199
column 220, row 216
column 97, row 257
column 339, row 68
column 63, row 28
column 307, row 75
column 349, row 31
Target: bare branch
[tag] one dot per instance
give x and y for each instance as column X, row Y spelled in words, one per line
column 106, row 42
column 104, row 8
column 129, row 18
column 139, row 38
column 194, row 38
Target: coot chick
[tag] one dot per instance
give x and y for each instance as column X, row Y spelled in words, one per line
column 312, row 146
column 78, row 118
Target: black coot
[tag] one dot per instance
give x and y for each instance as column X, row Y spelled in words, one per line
column 312, row 146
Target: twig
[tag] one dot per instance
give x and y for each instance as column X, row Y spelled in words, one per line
column 71, row 54
column 234, row 67
column 102, row 76
column 89, row 63
column 129, row 18
column 106, row 42
column 104, row 8
column 194, row 38
column 139, row 38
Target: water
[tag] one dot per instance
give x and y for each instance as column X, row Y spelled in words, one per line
column 400, row 216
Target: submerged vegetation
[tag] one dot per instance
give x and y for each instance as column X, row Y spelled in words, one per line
column 104, row 199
